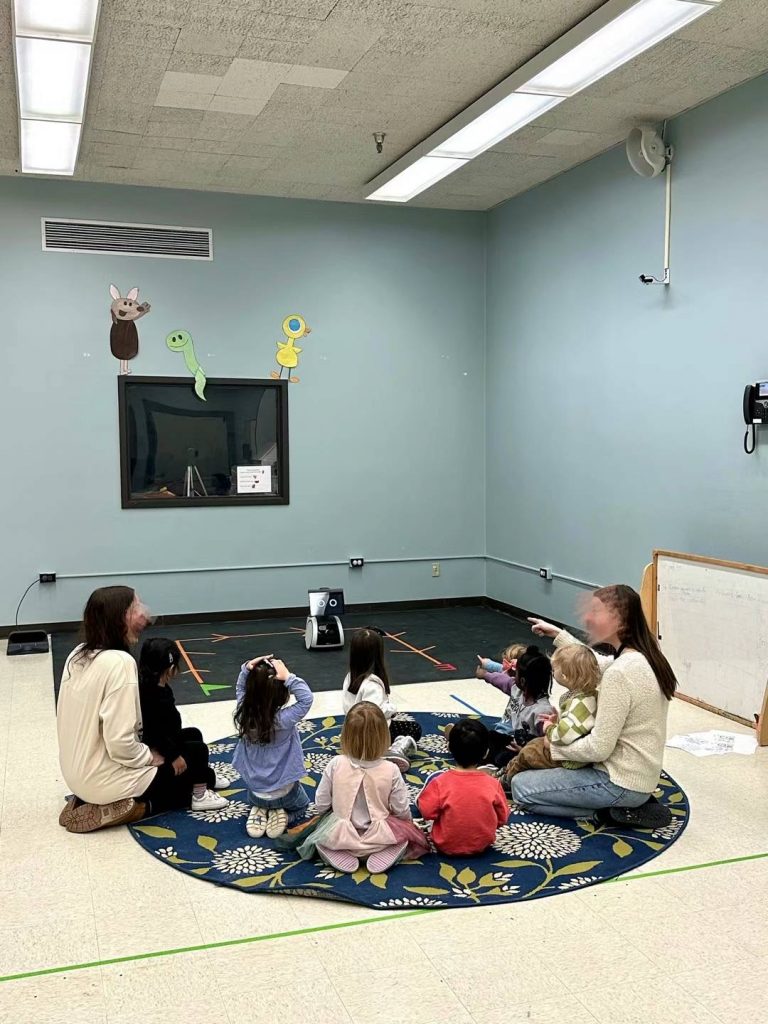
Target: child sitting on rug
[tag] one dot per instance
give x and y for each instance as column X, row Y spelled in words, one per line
column 507, row 664
column 269, row 755
column 162, row 730
column 575, row 667
column 466, row 805
column 528, row 709
column 369, row 805
column 367, row 680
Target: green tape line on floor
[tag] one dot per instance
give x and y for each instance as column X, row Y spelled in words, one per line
column 44, row 971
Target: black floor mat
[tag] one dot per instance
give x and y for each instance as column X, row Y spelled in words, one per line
column 425, row 645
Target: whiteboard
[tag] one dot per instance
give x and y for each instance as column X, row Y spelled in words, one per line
column 712, row 623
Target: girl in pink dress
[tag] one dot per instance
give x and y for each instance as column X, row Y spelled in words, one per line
column 370, row 817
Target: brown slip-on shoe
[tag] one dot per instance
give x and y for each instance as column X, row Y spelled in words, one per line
column 66, row 815
column 91, row 817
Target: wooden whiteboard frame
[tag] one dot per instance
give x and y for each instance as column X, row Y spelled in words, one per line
column 649, row 590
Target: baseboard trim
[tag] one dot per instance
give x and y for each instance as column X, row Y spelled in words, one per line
column 244, row 615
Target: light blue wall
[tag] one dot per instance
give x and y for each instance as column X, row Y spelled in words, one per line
column 387, row 436
column 614, row 409
column 612, row 415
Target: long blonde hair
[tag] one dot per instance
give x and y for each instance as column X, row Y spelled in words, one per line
column 365, row 734
column 576, row 668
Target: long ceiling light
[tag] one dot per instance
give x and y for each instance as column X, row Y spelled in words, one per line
column 613, row 35
column 53, row 48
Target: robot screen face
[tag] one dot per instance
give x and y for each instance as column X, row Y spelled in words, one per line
column 326, row 602
column 318, row 601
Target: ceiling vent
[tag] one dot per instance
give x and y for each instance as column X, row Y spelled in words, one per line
column 93, row 236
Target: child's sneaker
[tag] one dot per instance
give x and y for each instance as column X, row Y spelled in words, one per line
column 256, row 825
column 405, row 745
column 209, row 801
column 221, row 782
column 380, row 862
column 277, row 822
column 339, row 860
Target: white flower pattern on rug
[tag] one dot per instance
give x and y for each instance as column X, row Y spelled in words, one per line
column 306, row 725
column 317, row 762
column 234, row 809
column 413, row 901
column 435, row 743
column 536, row 840
column 224, row 770
column 668, row 831
column 578, row 883
column 246, row 860
column 221, row 748
column 165, row 852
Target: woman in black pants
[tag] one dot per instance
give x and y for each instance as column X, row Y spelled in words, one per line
column 184, row 779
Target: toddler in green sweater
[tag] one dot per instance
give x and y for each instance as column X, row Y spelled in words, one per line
column 576, row 668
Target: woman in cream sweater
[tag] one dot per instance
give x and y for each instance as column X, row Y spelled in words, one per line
column 626, row 746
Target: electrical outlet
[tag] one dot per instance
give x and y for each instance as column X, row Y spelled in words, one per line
column 47, row 577
column 435, row 568
column 546, row 574
column 356, row 563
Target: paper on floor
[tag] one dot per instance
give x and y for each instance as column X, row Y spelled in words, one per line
column 707, row 744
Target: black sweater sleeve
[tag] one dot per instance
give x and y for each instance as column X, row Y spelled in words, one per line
column 161, row 721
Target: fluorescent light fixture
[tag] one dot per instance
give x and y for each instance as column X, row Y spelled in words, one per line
column 608, row 38
column 56, row 19
column 636, row 30
column 49, row 147
column 53, row 50
column 53, row 78
column 414, row 179
column 504, row 118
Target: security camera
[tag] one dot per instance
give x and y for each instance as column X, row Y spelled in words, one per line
column 646, row 279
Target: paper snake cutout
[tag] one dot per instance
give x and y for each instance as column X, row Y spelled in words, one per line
column 181, row 341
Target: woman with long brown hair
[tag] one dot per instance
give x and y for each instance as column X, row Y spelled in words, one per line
column 626, row 746
column 104, row 763
column 116, row 779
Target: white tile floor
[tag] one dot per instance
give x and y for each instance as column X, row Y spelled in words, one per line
column 682, row 948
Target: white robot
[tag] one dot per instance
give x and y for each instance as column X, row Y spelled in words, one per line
column 324, row 629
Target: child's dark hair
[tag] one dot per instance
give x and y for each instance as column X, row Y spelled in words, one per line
column 534, row 673
column 155, row 658
column 366, row 658
column 264, row 695
column 468, row 742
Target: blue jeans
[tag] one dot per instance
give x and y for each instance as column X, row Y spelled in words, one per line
column 571, row 793
column 295, row 802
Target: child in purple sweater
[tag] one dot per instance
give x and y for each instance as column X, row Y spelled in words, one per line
column 526, row 679
column 269, row 756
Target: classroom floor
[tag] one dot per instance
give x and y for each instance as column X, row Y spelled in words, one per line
column 683, row 942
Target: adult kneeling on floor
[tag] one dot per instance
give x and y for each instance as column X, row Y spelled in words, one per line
column 624, row 750
column 115, row 778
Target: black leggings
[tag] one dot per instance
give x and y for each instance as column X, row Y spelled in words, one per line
column 167, row 791
column 497, row 748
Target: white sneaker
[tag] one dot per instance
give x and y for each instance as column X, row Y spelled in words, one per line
column 209, row 801
column 221, row 783
column 256, row 825
column 277, row 822
column 405, row 745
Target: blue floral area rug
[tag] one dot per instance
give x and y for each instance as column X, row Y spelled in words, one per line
column 532, row 857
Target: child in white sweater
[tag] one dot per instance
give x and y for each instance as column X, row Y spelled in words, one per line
column 367, row 680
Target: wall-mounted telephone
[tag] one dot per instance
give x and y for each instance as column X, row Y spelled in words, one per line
column 755, row 412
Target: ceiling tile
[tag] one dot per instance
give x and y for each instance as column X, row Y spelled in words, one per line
column 180, row 81
column 245, row 77
column 317, row 78
column 199, row 63
column 185, row 100
column 253, row 104
column 199, row 39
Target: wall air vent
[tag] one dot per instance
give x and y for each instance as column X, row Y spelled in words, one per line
column 92, row 236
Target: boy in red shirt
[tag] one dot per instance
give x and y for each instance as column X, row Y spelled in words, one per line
column 466, row 805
